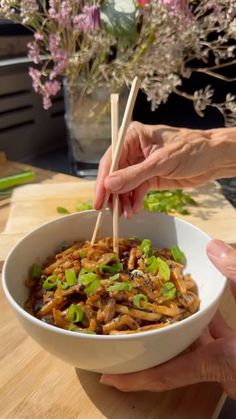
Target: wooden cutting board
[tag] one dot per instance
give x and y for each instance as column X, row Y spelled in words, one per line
column 37, row 385
column 34, row 204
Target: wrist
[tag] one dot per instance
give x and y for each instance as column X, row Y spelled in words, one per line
column 223, row 144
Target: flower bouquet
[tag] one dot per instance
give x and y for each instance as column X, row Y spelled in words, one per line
column 108, row 42
column 98, row 46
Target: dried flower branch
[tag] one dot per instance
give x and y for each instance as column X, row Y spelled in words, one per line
column 110, row 41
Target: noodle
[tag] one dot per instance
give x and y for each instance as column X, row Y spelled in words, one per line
column 90, row 289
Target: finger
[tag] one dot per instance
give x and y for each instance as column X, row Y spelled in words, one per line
column 230, row 389
column 154, row 170
column 224, row 258
column 213, row 362
column 138, row 196
column 128, row 179
column 103, row 170
column 126, row 205
column 218, row 327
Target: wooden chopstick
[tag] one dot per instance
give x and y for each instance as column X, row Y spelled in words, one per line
column 114, row 140
column 124, row 126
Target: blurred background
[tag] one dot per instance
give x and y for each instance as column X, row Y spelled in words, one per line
column 32, row 135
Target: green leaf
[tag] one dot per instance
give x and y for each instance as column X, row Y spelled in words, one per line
column 120, row 286
column 167, row 201
column 71, row 278
column 177, row 254
column 137, row 300
column 62, row 210
column 189, row 200
column 119, row 17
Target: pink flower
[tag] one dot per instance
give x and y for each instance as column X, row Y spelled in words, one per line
column 34, row 52
column 176, row 5
column 52, row 9
column 64, row 17
column 36, row 78
column 59, row 55
column 89, row 20
column 63, row 14
column 51, row 88
column 47, row 103
column 38, row 36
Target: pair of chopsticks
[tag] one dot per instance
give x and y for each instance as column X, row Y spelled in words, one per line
column 118, row 137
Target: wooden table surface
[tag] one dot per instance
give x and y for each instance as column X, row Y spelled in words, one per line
column 35, row 385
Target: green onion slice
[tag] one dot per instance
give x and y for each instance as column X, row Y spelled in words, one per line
column 115, row 268
column 177, row 254
column 36, row 271
column 146, row 247
column 164, row 269
column 169, row 291
column 84, row 206
column 92, row 287
column 114, row 277
column 50, row 282
column 62, row 285
column 153, row 264
column 75, row 313
column 71, row 278
column 62, row 210
column 86, row 277
column 120, row 286
column 138, row 298
column 82, row 254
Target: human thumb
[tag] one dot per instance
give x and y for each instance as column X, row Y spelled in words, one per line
column 128, row 179
column 224, row 258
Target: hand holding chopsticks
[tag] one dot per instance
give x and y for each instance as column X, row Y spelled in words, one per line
column 121, row 137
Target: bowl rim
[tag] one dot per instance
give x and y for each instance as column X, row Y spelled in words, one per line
column 80, row 335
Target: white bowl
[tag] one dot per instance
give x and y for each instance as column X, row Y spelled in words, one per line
column 115, row 353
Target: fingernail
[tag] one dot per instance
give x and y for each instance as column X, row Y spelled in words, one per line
column 96, row 205
column 137, row 207
column 219, row 249
column 128, row 214
column 113, row 183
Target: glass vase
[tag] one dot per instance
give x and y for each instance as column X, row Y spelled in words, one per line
column 88, row 122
